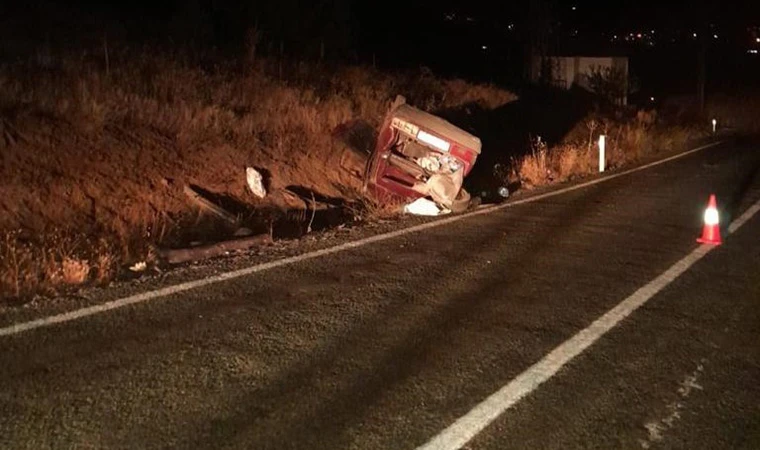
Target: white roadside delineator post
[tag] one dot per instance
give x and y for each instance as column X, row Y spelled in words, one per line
column 602, row 159
column 715, row 125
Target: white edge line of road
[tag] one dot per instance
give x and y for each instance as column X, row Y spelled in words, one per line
column 477, row 419
column 190, row 285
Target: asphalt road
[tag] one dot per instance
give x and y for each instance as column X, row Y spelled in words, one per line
column 384, row 346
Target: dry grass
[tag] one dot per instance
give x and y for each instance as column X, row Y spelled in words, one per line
column 534, row 167
column 189, row 103
column 626, row 142
column 106, row 153
column 369, row 209
column 49, row 262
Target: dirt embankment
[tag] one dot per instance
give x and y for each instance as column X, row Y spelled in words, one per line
column 94, row 162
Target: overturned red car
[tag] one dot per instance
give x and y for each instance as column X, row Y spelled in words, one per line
column 420, row 155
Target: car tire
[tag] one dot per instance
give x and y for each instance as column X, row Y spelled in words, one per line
column 462, row 201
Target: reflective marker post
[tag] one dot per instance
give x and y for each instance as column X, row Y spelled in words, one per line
column 602, row 159
column 715, row 125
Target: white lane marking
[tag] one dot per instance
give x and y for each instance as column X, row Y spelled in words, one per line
column 468, row 426
column 190, row 285
column 741, row 220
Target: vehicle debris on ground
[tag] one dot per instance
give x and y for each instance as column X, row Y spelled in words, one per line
column 424, row 207
column 183, row 255
column 255, row 182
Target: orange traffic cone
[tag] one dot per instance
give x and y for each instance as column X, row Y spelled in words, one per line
column 711, row 229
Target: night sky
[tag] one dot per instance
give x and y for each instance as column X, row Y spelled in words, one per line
column 381, row 18
column 474, row 38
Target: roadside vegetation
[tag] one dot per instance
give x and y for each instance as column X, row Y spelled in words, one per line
column 633, row 135
column 96, row 148
column 627, row 141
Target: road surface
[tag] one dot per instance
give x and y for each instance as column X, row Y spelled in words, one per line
column 386, row 345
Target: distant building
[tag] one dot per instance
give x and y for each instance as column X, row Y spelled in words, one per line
column 567, row 71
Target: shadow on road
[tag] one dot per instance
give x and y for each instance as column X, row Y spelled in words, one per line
column 416, row 330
